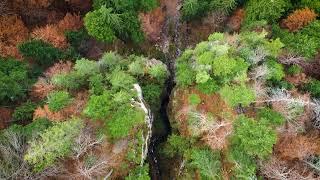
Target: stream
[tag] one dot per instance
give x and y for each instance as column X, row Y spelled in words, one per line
column 173, row 39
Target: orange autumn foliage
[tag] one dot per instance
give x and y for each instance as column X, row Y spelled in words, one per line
column 59, row 68
column 71, row 22
column 292, row 147
column 41, row 89
column 52, row 35
column 299, row 18
column 12, row 32
column 5, row 117
column 236, row 20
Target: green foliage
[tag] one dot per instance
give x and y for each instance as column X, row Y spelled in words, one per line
column 271, row 11
column 102, row 23
column 58, row 100
column 36, row 127
column 123, row 121
column 245, row 166
column 185, row 76
column 305, row 42
column 152, row 93
column 110, row 60
column 253, row 138
column 71, row 81
column 111, row 19
column 85, row 67
column 269, row 117
column 294, row 69
column 24, row 112
column 226, row 68
column 54, row 143
column 121, row 79
column 207, row 161
column 134, row 152
column 275, row 70
column 194, row 99
column 159, row 72
column 99, row 107
column 237, row 94
column 139, row 173
column 137, row 67
column 77, row 38
column 192, row 9
column 313, row 87
column 208, row 87
column 202, row 77
column 176, row 145
column 43, row 53
column 14, row 80
column 96, row 84
column 315, row 5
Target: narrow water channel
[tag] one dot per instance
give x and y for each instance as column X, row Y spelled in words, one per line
column 171, row 39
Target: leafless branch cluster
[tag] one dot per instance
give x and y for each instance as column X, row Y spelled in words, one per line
column 85, row 142
column 290, row 59
column 279, row 170
column 214, row 132
column 258, row 55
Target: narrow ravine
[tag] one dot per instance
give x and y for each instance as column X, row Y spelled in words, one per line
column 171, row 48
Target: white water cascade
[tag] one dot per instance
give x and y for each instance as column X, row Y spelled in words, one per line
column 148, row 120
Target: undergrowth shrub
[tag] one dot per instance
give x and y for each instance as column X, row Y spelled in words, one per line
column 58, row 100
column 24, row 112
column 313, row 87
column 271, row 11
column 44, row 54
column 237, row 94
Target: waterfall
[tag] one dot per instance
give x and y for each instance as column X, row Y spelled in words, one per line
column 148, row 120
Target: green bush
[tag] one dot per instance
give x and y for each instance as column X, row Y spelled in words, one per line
column 139, row 173
column 86, row 68
column 269, row 117
column 192, row 9
column 304, row 42
column 58, row 100
column 123, row 121
column 137, row 67
column 152, row 94
column 194, row 99
column 43, row 53
column 121, row 79
column 313, row 87
column 253, row 138
column 56, row 142
column 110, row 20
column 36, row 128
column 202, row 77
column 77, row 38
column 96, row 84
column 207, row 162
column 315, row 5
column 102, row 23
column 99, row 107
column 271, row 11
column 14, row 80
column 245, row 166
column 71, row 81
column 159, row 72
column 275, row 70
column 185, row 76
column 24, row 112
column 294, row 69
column 176, row 145
column 237, row 94
column 211, row 86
